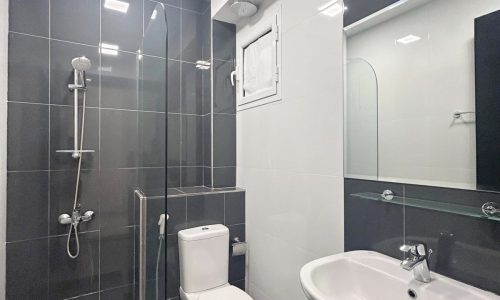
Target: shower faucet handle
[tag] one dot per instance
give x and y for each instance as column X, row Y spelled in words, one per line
column 87, row 216
column 64, row 219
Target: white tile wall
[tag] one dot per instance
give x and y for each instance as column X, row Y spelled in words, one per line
column 290, row 156
column 4, row 24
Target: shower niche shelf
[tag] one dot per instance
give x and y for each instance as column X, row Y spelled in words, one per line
column 457, row 209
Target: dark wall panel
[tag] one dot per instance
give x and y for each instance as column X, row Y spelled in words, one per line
column 487, row 72
column 358, row 9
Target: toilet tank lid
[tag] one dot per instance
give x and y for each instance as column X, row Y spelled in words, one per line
column 203, row 232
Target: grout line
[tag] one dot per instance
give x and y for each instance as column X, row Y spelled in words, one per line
column 222, row 60
column 97, row 46
column 181, row 119
column 99, row 126
column 49, row 194
column 83, row 295
column 212, row 74
column 91, row 107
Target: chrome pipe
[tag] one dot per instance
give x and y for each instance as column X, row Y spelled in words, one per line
column 76, row 153
column 142, row 242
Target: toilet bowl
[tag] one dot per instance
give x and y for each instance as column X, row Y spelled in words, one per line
column 204, row 264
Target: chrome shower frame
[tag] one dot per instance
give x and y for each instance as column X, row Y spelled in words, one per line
column 79, row 84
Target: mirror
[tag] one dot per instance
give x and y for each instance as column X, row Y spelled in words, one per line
column 422, row 99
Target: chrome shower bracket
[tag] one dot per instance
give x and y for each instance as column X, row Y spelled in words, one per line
column 75, row 87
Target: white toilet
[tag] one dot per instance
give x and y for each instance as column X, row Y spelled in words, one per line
column 204, row 264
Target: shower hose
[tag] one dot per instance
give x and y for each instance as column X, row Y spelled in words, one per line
column 74, row 224
column 161, row 238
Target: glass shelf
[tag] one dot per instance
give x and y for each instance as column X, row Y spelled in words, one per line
column 457, row 209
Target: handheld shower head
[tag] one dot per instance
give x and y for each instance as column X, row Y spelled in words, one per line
column 81, row 63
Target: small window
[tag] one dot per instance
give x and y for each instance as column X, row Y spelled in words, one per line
column 259, row 60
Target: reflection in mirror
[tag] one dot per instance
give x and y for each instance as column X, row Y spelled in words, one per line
column 410, row 68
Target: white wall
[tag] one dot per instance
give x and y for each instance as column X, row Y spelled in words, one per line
column 290, row 155
column 420, row 85
column 4, row 24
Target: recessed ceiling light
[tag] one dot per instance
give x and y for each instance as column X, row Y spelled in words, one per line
column 408, row 39
column 327, row 5
column 332, row 8
column 110, row 46
column 109, row 49
column 203, row 65
column 117, row 5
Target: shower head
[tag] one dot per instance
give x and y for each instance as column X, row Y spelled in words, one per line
column 81, row 63
column 244, row 8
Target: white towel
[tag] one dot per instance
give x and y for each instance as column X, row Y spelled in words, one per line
column 258, row 65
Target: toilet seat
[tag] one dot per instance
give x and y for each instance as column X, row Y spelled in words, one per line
column 225, row 293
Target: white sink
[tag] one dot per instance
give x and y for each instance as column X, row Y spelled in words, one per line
column 367, row 275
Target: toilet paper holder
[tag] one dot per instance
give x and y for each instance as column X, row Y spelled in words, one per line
column 238, row 247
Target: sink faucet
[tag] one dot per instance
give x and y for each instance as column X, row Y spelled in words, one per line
column 417, row 260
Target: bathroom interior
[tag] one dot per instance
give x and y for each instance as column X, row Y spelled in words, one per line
column 250, row 149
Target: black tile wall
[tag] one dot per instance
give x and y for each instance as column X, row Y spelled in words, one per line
column 224, row 177
column 174, row 140
column 223, row 115
column 35, row 208
column 191, row 176
column 153, row 83
column 31, row 17
column 28, row 58
column 192, row 39
column 115, row 267
column 28, row 137
column 117, row 197
column 126, row 292
column 191, row 89
column 123, row 29
column 119, row 73
column 224, row 92
column 464, row 248
column 174, row 86
column 125, row 126
column 72, row 277
column 61, row 54
column 224, row 140
column 198, row 206
column 117, row 151
column 62, row 191
column 61, row 137
column 189, row 94
column 192, row 139
column 205, row 209
column 372, row 225
column 152, row 139
column 224, row 43
column 27, row 263
column 75, row 20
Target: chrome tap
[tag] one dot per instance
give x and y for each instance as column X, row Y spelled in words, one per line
column 417, row 260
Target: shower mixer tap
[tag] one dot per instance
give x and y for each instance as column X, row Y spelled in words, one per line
column 76, row 217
